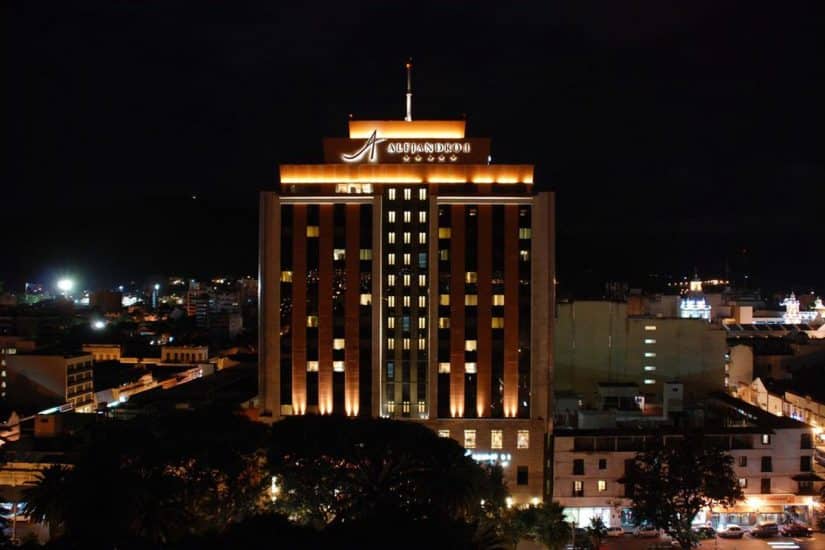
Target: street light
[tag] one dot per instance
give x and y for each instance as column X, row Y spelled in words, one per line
column 65, row 285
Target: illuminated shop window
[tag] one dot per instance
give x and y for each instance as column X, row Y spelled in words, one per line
column 470, row 299
column 339, row 343
column 366, row 299
column 523, row 439
column 391, row 194
column 312, row 231
column 497, row 322
column 470, row 368
column 444, row 232
column 338, row 366
column 365, row 254
column 443, row 368
column 286, row 276
column 312, row 321
column 498, row 299
column 469, row 439
column 312, row 366
column 444, row 322
column 391, row 216
column 470, row 345
column 496, row 439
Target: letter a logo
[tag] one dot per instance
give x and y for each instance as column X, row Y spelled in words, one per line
column 369, row 149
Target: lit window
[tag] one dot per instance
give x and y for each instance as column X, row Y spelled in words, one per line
column 405, row 406
column 406, row 301
column 391, row 301
column 391, row 258
column 470, row 368
column 523, row 439
column 422, row 280
column 391, row 237
column 471, row 277
column 312, row 321
column 339, row 343
column 390, row 322
column 497, row 322
column 339, row 254
column 390, row 343
column 650, row 327
column 407, row 193
column 498, row 299
column 422, row 216
column 496, row 439
column 650, row 341
column 524, row 255
column 443, row 433
column 407, row 237
column 469, row 439
column 650, row 368
column 338, row 366
column 443, row 232
column 391, row 216
column 422, row 237
column 406, row 279
column 366, row 299
column 391, row 194
column 286, row 276
column 601, row 485
column 444, row 255
column 422, row 194
column 312, row 366
column 470, row 345
column 443, row 368
column 766, row 439
column 406, row 343
column 312, row 231
column 743, row 482
column 391, row 280
column 470, row 299
column 422, row 343
column 422, row 406
column 390, row 406
column 649, row 381
column 524, row 233
column 422, row 301
column 422, row 322
column 407, row 216
column 407, row 258
column 443, row 322
column 650, row 354
column 365, row 254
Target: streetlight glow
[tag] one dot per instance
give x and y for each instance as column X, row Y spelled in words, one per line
column 65, row 285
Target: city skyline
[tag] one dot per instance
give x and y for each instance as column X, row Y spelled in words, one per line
column 687, row 136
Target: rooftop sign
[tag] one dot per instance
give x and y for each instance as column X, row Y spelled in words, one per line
column 380, row 150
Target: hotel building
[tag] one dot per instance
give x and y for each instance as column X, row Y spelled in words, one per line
column 408, row 277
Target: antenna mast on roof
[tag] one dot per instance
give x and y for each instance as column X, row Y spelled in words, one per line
column 408, row 66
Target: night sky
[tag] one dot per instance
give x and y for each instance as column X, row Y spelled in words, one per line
column 675, row 136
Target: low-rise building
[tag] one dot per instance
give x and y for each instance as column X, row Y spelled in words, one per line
column 64, row 377
column 104, row 352
column 773, row 460
column 184, row 354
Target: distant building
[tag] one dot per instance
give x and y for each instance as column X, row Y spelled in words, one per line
column 184, row 354
column 104, row 352
column 106, row 301
column 597, row 341
column 67, row 378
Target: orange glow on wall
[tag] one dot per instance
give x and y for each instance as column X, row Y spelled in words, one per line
column 403, row 129
column 406, row 173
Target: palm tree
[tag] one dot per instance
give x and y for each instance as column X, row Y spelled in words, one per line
column 47, row 500
column 553, row 530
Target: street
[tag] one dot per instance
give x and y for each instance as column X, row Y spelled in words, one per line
column 816, row 542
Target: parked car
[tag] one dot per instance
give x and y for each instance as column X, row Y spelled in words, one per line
column 705, row 532
column 731, row 532
column 646, row 531
column 765, row 529
column 795, row 529
column 615, row 531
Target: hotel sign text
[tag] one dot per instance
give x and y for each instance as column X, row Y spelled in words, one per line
column 377, row 150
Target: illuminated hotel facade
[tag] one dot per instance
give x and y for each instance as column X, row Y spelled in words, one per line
column 407, row 277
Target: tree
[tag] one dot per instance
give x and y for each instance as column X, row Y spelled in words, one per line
column 671, row 484
column 597, row 531
column 545, row 523
column 46, row 502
